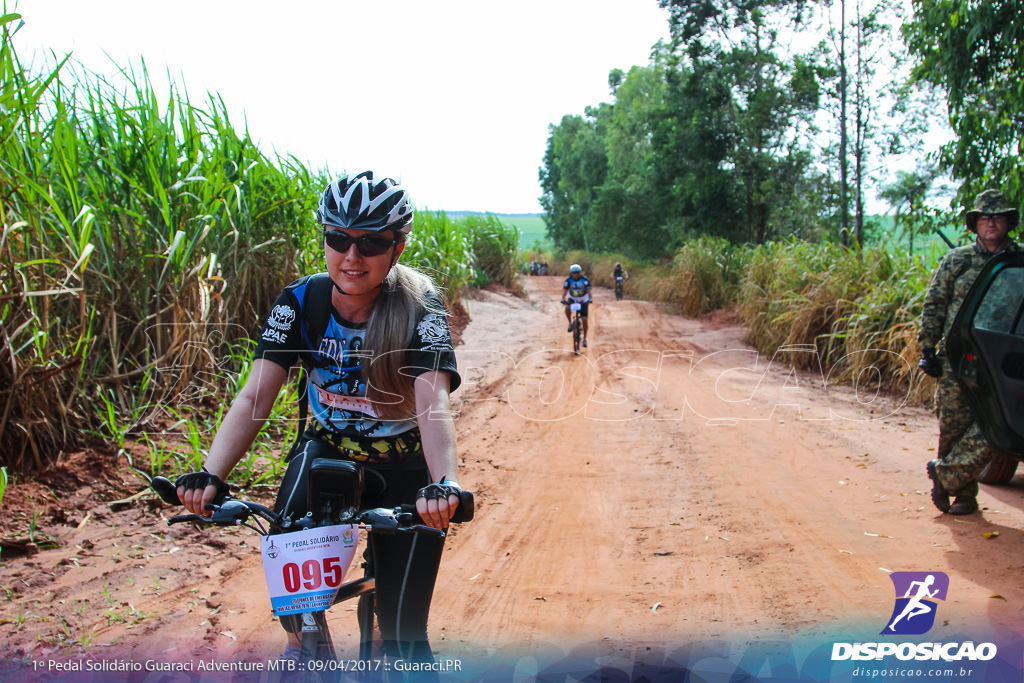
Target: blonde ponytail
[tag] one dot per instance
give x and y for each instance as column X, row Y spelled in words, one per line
column 404, row 293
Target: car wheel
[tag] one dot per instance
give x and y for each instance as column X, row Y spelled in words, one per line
column 999, row 471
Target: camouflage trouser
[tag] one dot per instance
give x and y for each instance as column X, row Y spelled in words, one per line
column 963, row 450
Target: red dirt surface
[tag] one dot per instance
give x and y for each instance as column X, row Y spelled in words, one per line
column 667, row 486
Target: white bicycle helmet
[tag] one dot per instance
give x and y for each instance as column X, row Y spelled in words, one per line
column 360, row 202
column 575, row 268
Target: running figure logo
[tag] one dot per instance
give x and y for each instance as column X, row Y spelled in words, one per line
column 916, row 596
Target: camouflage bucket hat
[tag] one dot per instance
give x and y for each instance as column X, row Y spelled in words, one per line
column 991, row 202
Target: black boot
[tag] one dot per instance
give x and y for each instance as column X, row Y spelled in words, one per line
column 939, row 495
column 963, row 505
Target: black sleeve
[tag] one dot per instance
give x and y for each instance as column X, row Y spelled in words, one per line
column 431, row 346
column 281, row 336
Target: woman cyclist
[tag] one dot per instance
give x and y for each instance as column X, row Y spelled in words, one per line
column 378, row 394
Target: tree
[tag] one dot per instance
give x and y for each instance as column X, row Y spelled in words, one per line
column 574, row 168
column 870, row 30
column 772, row 98
column 693, row 138
column 630, row 208
column 907, row 195
column 975, row 52
column 693, row 21
column 710, row 138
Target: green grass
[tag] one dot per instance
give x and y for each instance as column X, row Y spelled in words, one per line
column 531, row 226
column 144, row 238
column 532, row 230
column 135, row 223
column 858, row 309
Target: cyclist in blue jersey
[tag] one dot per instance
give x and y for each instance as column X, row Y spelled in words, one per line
column 576, row 288
column 380, row 368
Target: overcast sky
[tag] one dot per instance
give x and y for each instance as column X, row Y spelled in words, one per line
column 452, row 97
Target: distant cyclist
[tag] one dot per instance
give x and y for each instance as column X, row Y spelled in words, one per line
column 576, row 288
column 619, row 275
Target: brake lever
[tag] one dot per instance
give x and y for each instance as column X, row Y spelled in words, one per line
column 177, row 519
column 380, row 520
column 230, row 513
column 422, row 529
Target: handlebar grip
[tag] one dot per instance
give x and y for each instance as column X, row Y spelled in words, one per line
column 463, row 513
column 466, row 509
column 166, row 489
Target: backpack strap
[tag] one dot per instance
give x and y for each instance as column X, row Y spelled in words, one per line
column 315, row 309
column 314, row 312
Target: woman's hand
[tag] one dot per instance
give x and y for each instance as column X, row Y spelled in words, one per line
column 198, row 489
column 436, row 503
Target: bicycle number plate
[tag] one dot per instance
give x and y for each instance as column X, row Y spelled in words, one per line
column 619, row 278
column 575, row 306
column 305, row 568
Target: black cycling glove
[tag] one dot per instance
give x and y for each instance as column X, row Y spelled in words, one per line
column 443, row 489
column 930, row 363
column 200, row 480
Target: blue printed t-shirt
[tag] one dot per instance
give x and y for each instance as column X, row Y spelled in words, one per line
column 578, row 289
column 336, row 390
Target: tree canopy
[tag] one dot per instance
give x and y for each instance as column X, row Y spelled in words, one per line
column 974, row 51
column 731, row 131
column 703, row 140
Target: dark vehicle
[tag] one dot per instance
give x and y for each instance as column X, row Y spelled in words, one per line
column 986, row 351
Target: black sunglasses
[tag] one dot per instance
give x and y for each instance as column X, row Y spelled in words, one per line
column 367, row 245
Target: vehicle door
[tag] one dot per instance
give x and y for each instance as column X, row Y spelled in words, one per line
column 986, row 351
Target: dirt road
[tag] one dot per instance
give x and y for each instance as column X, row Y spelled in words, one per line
column 668, row 485
column 671, row 484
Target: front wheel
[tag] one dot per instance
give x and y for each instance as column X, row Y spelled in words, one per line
column 577, row 335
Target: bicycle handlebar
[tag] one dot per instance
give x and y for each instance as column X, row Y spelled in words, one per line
column 234, row 512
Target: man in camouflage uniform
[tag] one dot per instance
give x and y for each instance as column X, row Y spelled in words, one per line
column 963, row 451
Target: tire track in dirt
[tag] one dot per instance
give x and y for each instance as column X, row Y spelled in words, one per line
column 733, row 493
column 635, row 459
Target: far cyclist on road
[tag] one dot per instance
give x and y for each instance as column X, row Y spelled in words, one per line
column 619, row 275
column 576, row 288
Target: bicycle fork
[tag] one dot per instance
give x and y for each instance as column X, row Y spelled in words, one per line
column 316, row 638
column 365, row 615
